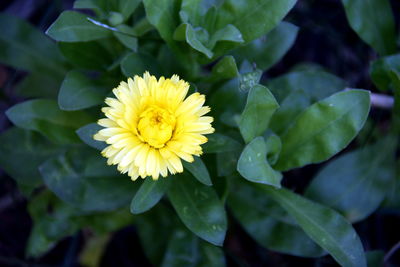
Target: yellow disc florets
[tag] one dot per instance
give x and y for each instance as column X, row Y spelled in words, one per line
column 150, row 126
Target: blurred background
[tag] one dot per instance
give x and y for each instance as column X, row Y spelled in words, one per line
column 324, row 38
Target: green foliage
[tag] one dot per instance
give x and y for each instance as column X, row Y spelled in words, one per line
column 324, row 129
column 264, row 126
column 44, row 116
column 268, row 223
column 75, row 27
column 356, row 182
column 253, row 164
column 199, row 208
column 325, row 226
column 373, row 21
column 259, row 109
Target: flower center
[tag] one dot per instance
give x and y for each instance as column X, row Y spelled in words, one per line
column 156, row 126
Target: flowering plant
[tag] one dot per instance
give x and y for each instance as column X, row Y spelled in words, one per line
column 177, row 96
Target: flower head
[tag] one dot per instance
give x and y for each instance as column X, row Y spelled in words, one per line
column 150, row 126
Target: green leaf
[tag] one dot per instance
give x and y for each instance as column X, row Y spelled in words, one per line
column 86, row 133
column 298, row 90
column 72, row 26
column 185, row 249
column 33, row 85
column 293, row 105
column 380, row 71
column 229, row 33
column 220, row 143
column 82, row 178
column 323, row 225
column 259, row 109
column 373, row 21
column 324, row 129
column 316, row 84
column 149, row 194
column 225, row 69
column 137, row 63
column 44, row 116
column 253, row 18
column 269, row 49
column 199, row 170
column 356, row 183
column 48, row 227
column 20, row 146
column 127, row 40
column 79, row 92
column 274, row 146
column 193, row 38
column 24, row 47
column 87, row 55
column 268, row 223
column 182, row 249
column 154, row 229
column 162, row 14
column 199, row 208
column 253, row 164
column 127, row 7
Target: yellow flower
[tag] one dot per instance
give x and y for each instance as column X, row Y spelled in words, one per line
column 150, row 126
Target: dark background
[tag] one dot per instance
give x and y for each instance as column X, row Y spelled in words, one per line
column 324, row 38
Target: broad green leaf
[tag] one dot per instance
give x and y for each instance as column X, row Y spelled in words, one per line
column 253, row 18
column 86, row 134
column 82, row 178
column 298, row 90
column 44, row 116
column 24, row 47
column 185, row 249
column 259, row 109
column 48, row 227
column 324, row 129
column 182, row 250
column 79, row 92
column 291, row 106
column 87, row 55
column 323, row 225
column 33, row 85
column 154, row 229
column 149, row 194
column 225, row 69
column 356, row 183
column 220, row 143
column 137, row 63
column 163, row 15
column 373, row 21
column 267, row 223
column 227, row 162
column 18, row 147
column 127, row 40
column 380, row 71
column 210, row 255
column 274, row 146
column 199, row 208
column 193, row 38
column 228, row 34
column 72, row 26
column 269, row 49
column 317, row 84
column 253, row 164
column 126, row 7
column 199, row 170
